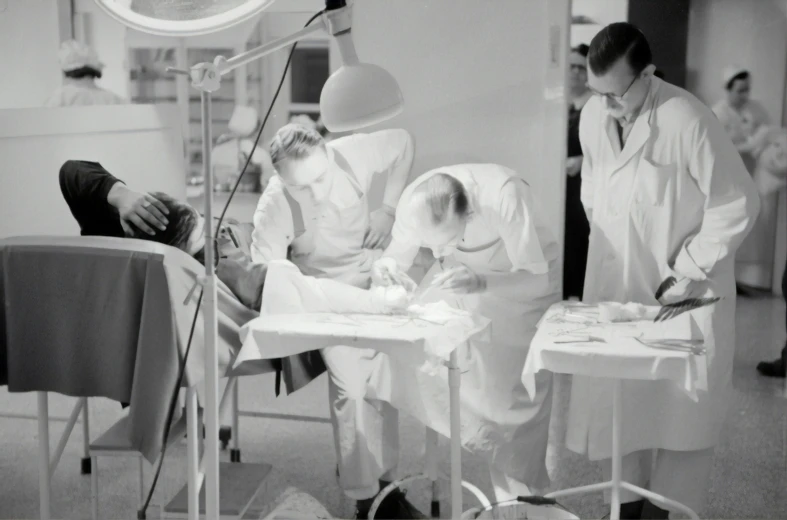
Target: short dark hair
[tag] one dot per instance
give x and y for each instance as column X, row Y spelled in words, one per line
column 581, row 49
column 737, row 77
column 83, row 72
column 182, row 221
column 616, row 41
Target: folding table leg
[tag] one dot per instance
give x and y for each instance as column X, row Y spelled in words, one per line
column 85, row 469
column 432, row 470
column 454, row 377
column 43, row 456
column 235, row 450
column 617, row 459
column 192, row 420
column 94, row 491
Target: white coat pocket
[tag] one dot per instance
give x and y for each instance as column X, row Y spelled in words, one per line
column 654, row 184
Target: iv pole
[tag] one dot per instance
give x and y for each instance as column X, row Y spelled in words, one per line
column 206, row 77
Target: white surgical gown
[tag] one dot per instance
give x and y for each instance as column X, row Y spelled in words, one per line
column 505, row 242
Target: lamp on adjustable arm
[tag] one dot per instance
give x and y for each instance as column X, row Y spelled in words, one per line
column 356, row 96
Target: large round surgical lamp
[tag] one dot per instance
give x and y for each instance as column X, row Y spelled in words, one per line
column 357, row 95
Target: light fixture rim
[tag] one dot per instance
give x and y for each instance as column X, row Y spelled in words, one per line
column 184, row 28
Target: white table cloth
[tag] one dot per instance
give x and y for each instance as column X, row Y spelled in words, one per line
column 620, row 353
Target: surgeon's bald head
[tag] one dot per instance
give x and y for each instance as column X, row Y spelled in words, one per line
column 442, row 198
column 442, row 208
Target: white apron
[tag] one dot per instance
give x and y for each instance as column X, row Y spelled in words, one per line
column 331, row 243
column 638, row 224
column 499, row 419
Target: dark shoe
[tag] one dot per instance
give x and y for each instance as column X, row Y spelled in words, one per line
column 393, row 507
column 631, row 510
column 651, row 511
column 772, row 368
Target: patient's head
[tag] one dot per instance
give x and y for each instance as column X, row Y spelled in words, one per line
column 442, row 209
column 185, row 229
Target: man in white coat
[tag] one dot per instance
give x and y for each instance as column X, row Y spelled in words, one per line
column 667, row 194
column 315, row 211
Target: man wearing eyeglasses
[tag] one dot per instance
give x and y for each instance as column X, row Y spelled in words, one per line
column 667, row 195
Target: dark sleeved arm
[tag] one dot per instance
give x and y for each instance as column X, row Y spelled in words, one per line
column 85, row 186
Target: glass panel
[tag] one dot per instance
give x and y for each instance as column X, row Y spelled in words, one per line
column 310, row 69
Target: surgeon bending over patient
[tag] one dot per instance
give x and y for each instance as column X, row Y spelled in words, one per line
column 497, row 259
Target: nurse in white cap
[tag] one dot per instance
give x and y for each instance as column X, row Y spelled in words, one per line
column 81, row 68
column 744, row 118
column 748, row 125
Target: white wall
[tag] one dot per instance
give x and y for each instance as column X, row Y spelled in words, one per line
column 604, row 12
column 478, row 83
column 35, row 142
column 751, row 34
column 29, row 40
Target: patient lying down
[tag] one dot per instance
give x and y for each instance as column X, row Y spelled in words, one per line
column 104, row 206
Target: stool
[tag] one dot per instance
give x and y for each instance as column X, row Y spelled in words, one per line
column 115, row 443
column 112, row 443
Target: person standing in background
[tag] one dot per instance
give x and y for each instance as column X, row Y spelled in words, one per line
column 81, row 68
column 577, row 228
column 777, row 368
column 748, row 125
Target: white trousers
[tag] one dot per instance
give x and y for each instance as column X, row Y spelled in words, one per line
column 682, row 476
column 365, row 430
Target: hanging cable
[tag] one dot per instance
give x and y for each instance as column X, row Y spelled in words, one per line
column 142, row 512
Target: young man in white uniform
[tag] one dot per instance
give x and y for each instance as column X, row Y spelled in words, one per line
column 497, row 259
column 317, row 208
column 667, row 194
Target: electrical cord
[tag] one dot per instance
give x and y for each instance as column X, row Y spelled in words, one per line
column 142, row 512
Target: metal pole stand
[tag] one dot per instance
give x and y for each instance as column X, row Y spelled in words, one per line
column 617, row 483
column 432, row 471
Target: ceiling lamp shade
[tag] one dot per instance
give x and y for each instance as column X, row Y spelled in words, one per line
column 359, row 94
column 181, row 18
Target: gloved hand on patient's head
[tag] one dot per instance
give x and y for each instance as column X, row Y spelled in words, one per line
column 140, row 213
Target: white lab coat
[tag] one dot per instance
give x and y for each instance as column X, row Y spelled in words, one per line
column 676, row 200
column 82, row 92
column 505, row 241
